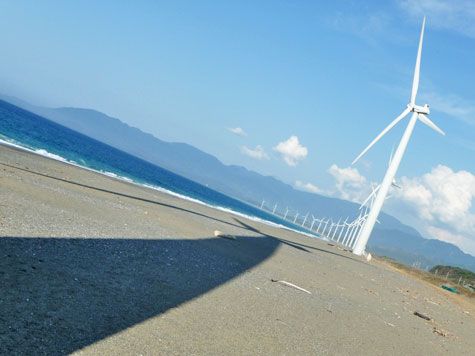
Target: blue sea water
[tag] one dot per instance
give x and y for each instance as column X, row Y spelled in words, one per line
column 30, row 131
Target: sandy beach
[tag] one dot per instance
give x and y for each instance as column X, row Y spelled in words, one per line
column 91, row 265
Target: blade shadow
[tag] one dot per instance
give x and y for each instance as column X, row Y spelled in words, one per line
column 296, row 245
column 59, row 295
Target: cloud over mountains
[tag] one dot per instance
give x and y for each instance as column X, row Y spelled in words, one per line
column 442, row 196
column 257, row 153
column 291, row 151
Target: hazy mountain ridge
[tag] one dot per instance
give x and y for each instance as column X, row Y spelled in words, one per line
column 391, row 238
column 408, row 249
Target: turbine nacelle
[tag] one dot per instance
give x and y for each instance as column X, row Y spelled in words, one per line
column 420, row 109
column 394, row 184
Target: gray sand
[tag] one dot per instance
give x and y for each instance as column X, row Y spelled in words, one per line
column 95, row 266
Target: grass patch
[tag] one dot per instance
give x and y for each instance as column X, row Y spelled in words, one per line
column 430, row 277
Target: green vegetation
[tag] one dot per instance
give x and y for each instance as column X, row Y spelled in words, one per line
column 455, row 275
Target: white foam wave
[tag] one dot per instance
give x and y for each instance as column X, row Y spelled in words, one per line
column 12, row 143
column 45, row 153
column 41, row 152
column 116, row 176
column 178, row 195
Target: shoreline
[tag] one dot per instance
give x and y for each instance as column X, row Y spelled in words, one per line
column 92, row 265
column 112, row 175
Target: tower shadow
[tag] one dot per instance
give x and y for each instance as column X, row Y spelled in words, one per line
column 58, row 295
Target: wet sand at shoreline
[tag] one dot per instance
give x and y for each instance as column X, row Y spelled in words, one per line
column 91, row 265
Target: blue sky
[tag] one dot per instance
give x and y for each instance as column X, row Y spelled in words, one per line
column 308, row 83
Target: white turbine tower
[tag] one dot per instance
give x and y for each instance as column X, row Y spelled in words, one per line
column 418, row 112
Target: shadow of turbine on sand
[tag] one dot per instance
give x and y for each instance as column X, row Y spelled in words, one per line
column 61, row 294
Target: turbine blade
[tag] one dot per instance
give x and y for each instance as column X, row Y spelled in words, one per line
column 372, row 194
column 415, row 83
column 376, row 190
column 366, row 201
column 429, row 123
column 389, row 127
column 391, row 157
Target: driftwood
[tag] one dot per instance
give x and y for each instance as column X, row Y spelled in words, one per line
column 422, row 316
column 218, row 233
column 291, row 285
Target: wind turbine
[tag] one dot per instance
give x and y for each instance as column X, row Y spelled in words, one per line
column 296, row 216
column 418, row 112
column 371, row 197
column 286, row 212
column 318, row 228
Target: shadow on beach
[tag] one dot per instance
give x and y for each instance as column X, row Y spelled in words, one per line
column 297, row 245
column 59, row 295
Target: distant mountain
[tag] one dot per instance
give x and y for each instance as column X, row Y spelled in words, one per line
column 410, row 249
column 391, row 237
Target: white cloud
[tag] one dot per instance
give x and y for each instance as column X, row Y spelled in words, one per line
column 291, row 151
column 440, row 204
column 442, row 197
column 257, row 153
column 308, row 187
column 456, row 15
column 452, row 105
column 350, row 184
column 237, row 130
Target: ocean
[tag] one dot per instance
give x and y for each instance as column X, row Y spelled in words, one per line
column 38, row 135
